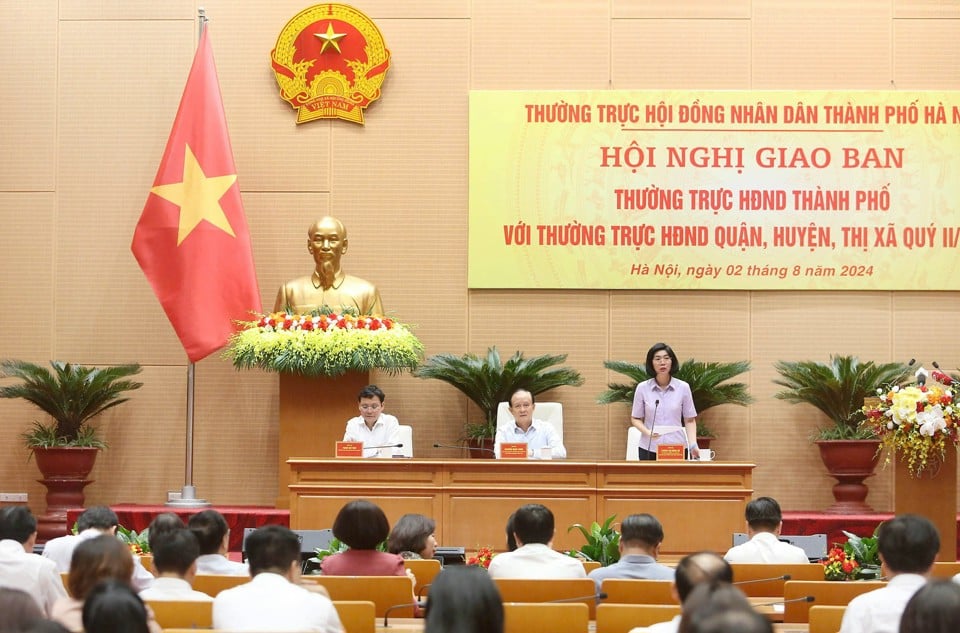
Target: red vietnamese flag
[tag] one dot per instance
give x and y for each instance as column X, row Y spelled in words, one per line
column 192, row 240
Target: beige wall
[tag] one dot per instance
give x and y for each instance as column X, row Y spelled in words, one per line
column 87, row 98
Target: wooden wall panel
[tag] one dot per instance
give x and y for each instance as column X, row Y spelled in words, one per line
column 924, row 51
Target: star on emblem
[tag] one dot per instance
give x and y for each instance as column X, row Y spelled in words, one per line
column 330, row 38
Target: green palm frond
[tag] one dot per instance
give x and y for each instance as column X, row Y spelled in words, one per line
column 838, row 387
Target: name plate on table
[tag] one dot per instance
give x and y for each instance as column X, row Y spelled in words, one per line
column 349, row 449
column 667, row 452
column 513, row 450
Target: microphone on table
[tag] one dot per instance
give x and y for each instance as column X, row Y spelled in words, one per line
column 384, row 446
column 753, row 580
column 775, row 603
column 600, row 595
column 469, row 448
column 420, row 593
column 394, row 607
column 653, row 423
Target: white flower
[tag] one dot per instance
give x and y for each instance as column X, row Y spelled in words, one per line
column 931, row 420
column 890, row 425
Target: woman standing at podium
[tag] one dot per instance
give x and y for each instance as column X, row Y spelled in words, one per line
column 663, row 408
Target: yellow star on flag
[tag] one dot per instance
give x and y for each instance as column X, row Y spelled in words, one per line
column 197, row 196
column 330, row 38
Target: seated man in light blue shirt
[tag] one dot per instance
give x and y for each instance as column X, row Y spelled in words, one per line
column 640, row 538
column 536, row 433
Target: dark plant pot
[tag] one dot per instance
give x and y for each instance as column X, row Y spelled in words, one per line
column 65, row 471
column 481, row 447
column 704, row 442
column 849, row 462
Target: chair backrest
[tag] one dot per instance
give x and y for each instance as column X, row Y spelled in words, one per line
column 549, row 412
column 540, row 590
column 212, row 584
column 624, row 591
column 945, row 569
column 825, row 619
column 425, row 570
column 520, row 617
column 147, row 561
column 406, row 438
column 751, row 578
column 182, row 614
column 633, row 443
column 590, row 565
column 357, row 616
column 824, row 592
column 383, row 591
column 65, row 579
column 620, row 618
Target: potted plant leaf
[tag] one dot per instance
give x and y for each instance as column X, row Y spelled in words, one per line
column 66, row 447
column 488, row 380
column 837, row 388
column 708, row 384
column 602, row 542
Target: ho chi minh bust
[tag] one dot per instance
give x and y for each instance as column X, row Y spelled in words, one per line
column 328, row 285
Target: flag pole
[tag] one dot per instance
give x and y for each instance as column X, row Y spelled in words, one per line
column 188, row 495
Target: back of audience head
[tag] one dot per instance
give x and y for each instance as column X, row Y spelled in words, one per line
column 908, row 544
column 99, row 517
column 18, row 610
column 96, row 559
column 714, row 605
column 175, row 552
column 641, row 530
column 211, row 530
column 935, row 608
column 114, row 607
column 763, row 514
column 533, row 523
column 274, row 549
column 464, row 599
column 17, row 523
column 699, row 568
column 47, row 626
column 511, row 539
column 361, row 525
column 163, row 523
column 412, row 533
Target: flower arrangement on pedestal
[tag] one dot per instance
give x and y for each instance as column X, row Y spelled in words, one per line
column 917, row 422
column 482, row 558
column 324, row 344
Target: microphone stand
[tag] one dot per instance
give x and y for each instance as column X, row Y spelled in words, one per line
column 394, row 607
column 653, row 423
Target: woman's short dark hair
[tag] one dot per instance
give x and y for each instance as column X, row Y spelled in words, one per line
column 114, row 607
column 97, row 559
column 661, row 347
column 361, row 525
column 935, row 608
column 464, row 599
column 410, row 534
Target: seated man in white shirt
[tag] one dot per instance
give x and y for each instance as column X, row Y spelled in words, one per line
column 373, row 427
column 533, row 529
column 694, row 569
column 536, row 433
column 93, row 522
column 764, row 521
column 907, row 546
column 175, row 560
column 272, row 600
column 20, row 568
column 213, row 535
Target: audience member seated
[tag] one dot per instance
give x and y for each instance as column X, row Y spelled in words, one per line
column 907, row 546
column 20, row 568
column 719, row 607
column 640, row 538
column 464, row 600
column 113, row 607
column 764, row 521
column 533, row 529
column 413, row 537
column 692, row 570
column 162, row 524
column 93, row 522
column 213, row 535
column 94, row 559
column 935, row 608
column 536, row 433
column 272, row 600
column 362, row 526
column 18, row 610
column 175, row 559
column 373, row 427
column 511, row 539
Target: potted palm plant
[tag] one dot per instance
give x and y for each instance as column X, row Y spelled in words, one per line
column 838, row 389
column 488, row 381
column 708, row 384
column 66, row 448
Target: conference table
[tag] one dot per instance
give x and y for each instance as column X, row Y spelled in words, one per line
column 700, row 504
